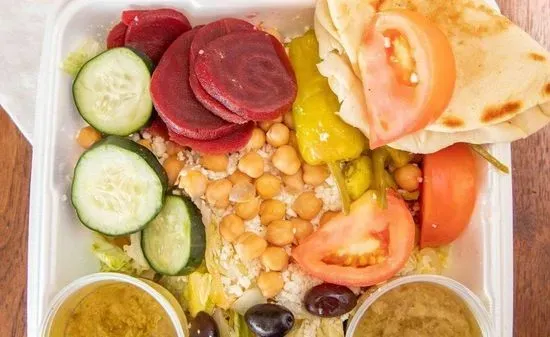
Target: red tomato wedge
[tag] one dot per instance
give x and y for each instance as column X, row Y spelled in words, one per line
column 449, row 192
column 366, row 247
column 408, row 71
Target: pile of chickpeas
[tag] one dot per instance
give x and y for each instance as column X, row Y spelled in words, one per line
column 251, row 191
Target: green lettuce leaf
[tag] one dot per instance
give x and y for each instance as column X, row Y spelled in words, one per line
column 330, row 327
column 87, row 50
column 111, row 257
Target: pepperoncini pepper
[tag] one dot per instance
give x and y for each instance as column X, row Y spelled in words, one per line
column 323, row 137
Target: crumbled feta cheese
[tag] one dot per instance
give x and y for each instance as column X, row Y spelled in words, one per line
column 158, row 146
column 238, row 275
column 135, row 137
column 297, row 283
column 255, row 226
column 328, row 192
column 288, row 199
column 146, row 135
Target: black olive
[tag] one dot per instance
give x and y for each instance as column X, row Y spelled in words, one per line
column 203, row 325
column 269, row 320
column 329, row 300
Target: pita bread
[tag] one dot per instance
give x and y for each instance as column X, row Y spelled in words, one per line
column 501, row 96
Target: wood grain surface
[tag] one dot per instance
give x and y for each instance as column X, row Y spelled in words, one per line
column 531, row 174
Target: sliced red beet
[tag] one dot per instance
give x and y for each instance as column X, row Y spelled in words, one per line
column 130, row 15
column 230, row 143
column 174, row 99
column 152, row 32
column 116, row 36
column 209, row 33
column 248, row 72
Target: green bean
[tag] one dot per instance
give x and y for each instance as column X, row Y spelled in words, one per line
column 389, row 181
column 489, row 157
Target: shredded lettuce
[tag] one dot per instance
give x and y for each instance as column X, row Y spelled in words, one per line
column 212, row 260
column 330, row 327
column 78, row 57
column 427, row 261
column 136, row 253
column 111, row 257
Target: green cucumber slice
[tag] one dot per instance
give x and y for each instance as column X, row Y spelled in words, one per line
column 118, row 187
column 111, row 92
column 174, row 242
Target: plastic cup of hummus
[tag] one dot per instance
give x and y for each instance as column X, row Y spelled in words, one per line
column 115, row 303
column 421, row 305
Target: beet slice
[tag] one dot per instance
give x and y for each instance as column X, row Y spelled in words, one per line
column 248, row 72
column 130, row 15
column 209, row 33
column 117, row 36
column 230, row 143
column 174, row 100
column 153, row 31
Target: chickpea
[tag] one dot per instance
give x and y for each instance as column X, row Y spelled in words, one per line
column 268, row 186
column 252, row 164
column 327, row 216
column 172, row 166
column 216, row 163
column 231, row 227
column 242, row 192
column 288, row 119
column 408, row 177
column 239, row 177
column 294, row 183
column 271, row 210
column 257, row 140
column 194, row 183
column 265, row 125
column 307, row 205
column 315, row 175
column 250, row 246
column 274, row 259
column 87, row 136
column 280, row 233
column 147, row 143
column 278, row 135
column 270, row 283
column 217, row 193
column 286, row 160
column 302, row 229
column 173, row 148
column 248, row 210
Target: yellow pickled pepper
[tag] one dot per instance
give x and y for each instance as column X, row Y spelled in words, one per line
column 323, row 137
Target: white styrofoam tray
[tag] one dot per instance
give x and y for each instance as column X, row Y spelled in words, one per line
column 59, row 247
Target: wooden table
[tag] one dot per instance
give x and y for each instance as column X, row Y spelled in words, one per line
column 531, row 163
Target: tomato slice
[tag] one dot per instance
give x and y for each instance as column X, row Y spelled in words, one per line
column 449, row 192
column 408, row 71
column 366, row 247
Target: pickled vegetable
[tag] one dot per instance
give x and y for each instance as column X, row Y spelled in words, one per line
column 489, row 157
column 380, row 182
column 399, row 158
column 203, row 325
column 269, row 320
column 358, row 175
column 323, row 137
column 329, row 300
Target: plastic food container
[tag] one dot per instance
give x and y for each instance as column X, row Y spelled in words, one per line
column 470, row 299
column 59, row 247
column 66, row 301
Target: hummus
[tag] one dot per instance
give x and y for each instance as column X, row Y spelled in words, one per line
column 419, row 310
column 119, row 310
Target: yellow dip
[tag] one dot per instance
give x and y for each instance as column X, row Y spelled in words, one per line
column 418, row 310
column 119, row 310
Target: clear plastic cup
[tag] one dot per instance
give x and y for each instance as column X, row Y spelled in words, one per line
column 69, row 297
column 468, row 297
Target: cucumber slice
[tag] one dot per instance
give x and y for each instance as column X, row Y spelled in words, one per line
column 118, row 187
column 111, row 92
column 174, row 242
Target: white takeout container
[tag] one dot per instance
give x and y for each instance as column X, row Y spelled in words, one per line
column 59, row 247
column 69, row 297
column 468, row 297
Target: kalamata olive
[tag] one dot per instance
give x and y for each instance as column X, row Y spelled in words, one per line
column 203, row 325
column 269, row 320
column 329, row 300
